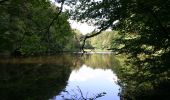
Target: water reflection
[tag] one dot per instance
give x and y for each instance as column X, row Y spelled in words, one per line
column 32, row 81
column 41, row 78
column 91, row 81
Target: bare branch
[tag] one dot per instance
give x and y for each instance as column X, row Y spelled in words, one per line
column 81, row 93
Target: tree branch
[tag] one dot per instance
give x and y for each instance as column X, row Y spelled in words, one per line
column 92, row 35
column 56, row 17
column 52, row 22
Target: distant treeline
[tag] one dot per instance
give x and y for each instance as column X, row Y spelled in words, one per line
column 103, row 41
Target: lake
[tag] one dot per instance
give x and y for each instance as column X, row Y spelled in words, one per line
column 60, row 77
column 91, row 82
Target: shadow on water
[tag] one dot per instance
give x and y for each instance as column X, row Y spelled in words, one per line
column 143, row 83
column 94, row 78
column 32, row 82
column 44, row 78
column 32, row 79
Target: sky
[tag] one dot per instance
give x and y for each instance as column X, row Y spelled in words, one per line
column 84, row 28
column 85, row 79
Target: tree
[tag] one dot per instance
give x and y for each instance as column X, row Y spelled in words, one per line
column 144, row 34
column 33, row 27
column 103, row 41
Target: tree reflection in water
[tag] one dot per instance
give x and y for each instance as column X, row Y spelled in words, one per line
column 41, row 78
column 32, row 81
column 94, row 77
column 143, row 83
column 77, row 94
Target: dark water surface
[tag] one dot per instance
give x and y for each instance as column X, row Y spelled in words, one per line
column 60, row 77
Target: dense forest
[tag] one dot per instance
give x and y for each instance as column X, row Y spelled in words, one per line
column 34, row 27
column 140, row 37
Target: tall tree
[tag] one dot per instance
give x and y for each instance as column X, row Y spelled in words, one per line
column 144, row 33
column 30, row 27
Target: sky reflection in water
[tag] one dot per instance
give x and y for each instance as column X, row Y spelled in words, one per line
column 91, row 82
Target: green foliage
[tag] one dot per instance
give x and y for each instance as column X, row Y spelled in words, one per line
column 32, row 45
column 77, row 39
column 46, row 77
column 144, row 36
column 24, row 26
column 102, row 41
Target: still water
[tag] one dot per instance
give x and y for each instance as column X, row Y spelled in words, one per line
column 61, row 77
column 91, row 82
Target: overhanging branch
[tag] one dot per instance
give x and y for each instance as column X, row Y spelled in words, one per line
column 52, row 22
column 56, row 17
column 93, row 35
